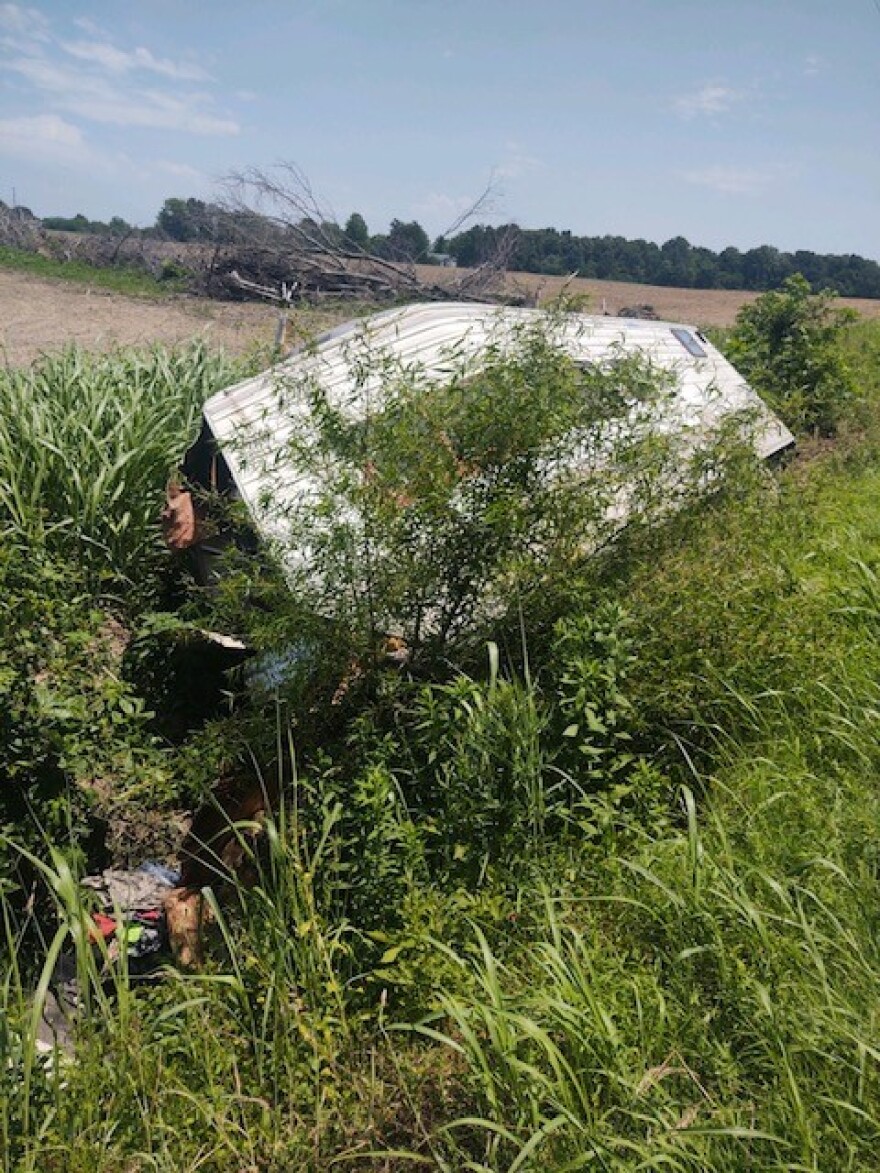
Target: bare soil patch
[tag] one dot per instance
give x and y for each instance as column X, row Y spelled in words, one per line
column 39, row 316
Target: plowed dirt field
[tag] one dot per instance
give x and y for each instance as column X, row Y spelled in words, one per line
column 38, row 315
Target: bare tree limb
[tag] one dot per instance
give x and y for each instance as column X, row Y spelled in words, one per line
column 284, row 231
column 481, row 206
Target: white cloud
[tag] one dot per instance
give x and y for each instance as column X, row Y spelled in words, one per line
column 153, row 109
column 26, row 21
column 22, row 30
column 120, row 61
column 48, row 127
column 813, row 65
column 44, row 137
column 89, row 26
column 517, row 162
column 731, row 180
column 710, row 99
column 92, row 78
column 101, row 100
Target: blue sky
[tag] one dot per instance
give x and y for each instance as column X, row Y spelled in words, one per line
column 729, row 123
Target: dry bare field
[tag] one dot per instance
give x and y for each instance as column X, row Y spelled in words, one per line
column 699, row 307
column 39, row 315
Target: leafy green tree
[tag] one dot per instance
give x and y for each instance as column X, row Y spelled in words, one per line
column 433, row 508
column 788, row 344
column 356, row 231
column 185, row 220
column 407, row 241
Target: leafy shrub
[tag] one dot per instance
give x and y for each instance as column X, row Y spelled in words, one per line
column 452, row 779
column 428, row 513
column 610, row 780
column 788, row 344
column 75, row 737
column 174, row 272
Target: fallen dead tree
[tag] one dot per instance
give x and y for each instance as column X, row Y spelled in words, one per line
column 271, row 237
column 281, row 232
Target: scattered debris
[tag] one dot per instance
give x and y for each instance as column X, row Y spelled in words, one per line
column 129, row 922
column 187, row 912
column 645, row 312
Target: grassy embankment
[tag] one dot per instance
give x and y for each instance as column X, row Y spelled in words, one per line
column 677, row 967
column 118, row 279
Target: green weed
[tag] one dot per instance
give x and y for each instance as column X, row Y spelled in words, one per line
column 120, row 279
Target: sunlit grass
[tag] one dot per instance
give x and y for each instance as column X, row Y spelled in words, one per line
column 119, row 279
column 695, row 991
column 87, row 443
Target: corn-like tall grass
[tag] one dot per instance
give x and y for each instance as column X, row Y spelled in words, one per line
column 87, row 443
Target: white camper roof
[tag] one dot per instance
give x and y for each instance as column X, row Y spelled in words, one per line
column 253, row 420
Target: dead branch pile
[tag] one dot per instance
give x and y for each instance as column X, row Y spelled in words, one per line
column 645, row 311
column 285, row 235
column 271, row 237
column 19, row 228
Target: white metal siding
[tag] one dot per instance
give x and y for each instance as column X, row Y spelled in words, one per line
column 252, row 422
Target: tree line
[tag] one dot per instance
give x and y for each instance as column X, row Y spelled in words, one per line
column 677, row 262
column 548, row 251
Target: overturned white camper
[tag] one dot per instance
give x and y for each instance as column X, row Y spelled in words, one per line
column 248, row 427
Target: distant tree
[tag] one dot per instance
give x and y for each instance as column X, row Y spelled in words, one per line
column 356, row 231
column 764, row 267
column 677, row 262
column 729, row 269
column 473, row 246
column 80, row 223
column 185, row 220
column 407, row 241
column 331, row 232
column 77, row 223
column 379, row 246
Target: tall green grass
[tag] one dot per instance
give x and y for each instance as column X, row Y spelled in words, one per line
column 697, row 1011
column 612, row 982
column 87, row 443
